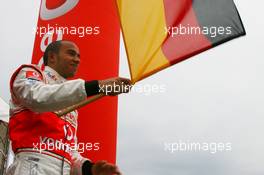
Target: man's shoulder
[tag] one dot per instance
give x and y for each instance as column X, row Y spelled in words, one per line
column 29, row 71
column 29, row 67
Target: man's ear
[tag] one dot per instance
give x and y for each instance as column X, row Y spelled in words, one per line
column 52, row 58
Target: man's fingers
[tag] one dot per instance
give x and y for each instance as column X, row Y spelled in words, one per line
column 112, row 170
column 117, row 171
column 98, row 166
column 126, row 81
column 104, row 168
column 126, row 85
column 115, row 86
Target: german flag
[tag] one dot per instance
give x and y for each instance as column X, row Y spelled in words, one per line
column 160, row 33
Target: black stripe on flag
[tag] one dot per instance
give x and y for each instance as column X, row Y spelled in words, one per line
column 218, row 15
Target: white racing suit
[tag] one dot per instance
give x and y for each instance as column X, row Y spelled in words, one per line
column 44, row 144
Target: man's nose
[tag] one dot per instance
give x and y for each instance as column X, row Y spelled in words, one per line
column 76, row 60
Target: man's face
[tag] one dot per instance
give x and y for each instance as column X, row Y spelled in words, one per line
column 67, row 60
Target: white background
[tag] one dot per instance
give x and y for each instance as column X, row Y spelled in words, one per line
column 216, row 96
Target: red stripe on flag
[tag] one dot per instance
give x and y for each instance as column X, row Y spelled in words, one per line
column 180, row 47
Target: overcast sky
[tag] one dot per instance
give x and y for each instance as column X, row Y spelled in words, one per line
column 215, row 97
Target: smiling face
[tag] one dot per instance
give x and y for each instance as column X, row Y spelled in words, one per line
column 67, row 60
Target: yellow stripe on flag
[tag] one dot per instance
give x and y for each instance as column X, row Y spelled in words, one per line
column 143, row 48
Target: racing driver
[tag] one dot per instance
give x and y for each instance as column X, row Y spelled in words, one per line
column 40, row 139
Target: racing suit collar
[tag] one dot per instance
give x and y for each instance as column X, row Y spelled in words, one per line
column 57, row 76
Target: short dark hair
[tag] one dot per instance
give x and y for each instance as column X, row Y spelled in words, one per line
column 53, row 47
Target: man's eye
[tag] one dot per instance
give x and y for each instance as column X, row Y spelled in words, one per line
column 72, row 53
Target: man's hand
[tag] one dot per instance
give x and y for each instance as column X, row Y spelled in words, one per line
column 114, row 86
column 103, row 168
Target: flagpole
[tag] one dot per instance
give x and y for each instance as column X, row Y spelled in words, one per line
column 79, row 105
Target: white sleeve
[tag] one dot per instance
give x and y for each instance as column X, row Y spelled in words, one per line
column 40, row 97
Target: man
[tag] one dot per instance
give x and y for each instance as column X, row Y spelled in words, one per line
column 41, row 140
